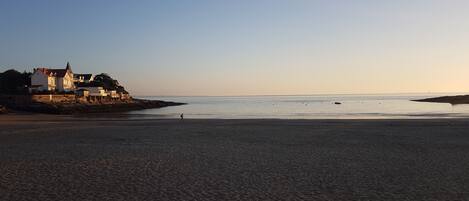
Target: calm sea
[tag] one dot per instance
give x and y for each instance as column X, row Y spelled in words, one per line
column 391, row 106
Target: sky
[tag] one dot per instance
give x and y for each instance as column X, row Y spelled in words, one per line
column 246, row 47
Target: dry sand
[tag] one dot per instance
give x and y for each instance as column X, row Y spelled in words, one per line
column 64, row 158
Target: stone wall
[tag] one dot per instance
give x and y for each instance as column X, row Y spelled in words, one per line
column 21, row 100
column 28, row 99
column 55, row 98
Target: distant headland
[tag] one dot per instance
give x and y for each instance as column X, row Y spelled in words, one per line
column 454, row 100
column 61, row 91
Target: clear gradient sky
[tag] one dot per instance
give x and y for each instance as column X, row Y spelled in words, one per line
column 246, row 47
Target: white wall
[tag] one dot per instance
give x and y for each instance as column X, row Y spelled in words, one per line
column 95, row 91
column 68, row 82
column 65, row 83
column 39, row 78
column 52, row 83
column 60, row 86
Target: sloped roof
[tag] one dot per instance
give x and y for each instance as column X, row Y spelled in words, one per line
column 85, row 76
column 53, row 72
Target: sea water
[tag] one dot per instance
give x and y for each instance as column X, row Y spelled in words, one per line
column 391, row 106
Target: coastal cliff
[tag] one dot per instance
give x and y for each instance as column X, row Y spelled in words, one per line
column 454, row 100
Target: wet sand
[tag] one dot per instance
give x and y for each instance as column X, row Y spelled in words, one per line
column 64, row 158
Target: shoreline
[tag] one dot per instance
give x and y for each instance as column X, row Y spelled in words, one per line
column 84, row 108
column 118, row 116
column 125, row 116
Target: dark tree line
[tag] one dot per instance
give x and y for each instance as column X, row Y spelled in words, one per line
column 108, row 83
column 14, row 82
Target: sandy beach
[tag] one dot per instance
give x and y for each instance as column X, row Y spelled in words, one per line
column 46, row 157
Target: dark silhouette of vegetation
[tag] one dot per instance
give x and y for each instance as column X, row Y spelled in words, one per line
column 108, row 83
column 14, row 82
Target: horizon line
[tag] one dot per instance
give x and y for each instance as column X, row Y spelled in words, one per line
column 319, row 94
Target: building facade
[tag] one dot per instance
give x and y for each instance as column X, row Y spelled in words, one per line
column 46, row 79
column 83, row 78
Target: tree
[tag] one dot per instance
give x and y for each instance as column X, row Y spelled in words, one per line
column 14, row 82
column 108, row 83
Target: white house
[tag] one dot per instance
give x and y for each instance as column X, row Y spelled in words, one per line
column 94, row 90
column 46, row 79
column 83, row 78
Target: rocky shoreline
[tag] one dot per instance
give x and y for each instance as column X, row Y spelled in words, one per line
column 81, row 108
column 454, row 100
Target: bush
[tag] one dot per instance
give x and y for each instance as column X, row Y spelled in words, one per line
column 108, row 83
column 14, row 82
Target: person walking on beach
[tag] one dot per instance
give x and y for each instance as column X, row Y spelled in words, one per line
column 182, row 116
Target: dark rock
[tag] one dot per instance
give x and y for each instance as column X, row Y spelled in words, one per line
column 338, row 103
column 454, row 100
column 80, row 108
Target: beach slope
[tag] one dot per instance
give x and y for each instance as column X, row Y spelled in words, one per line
column 67, row 158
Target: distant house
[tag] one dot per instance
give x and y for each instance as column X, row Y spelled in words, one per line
column 93, row 88
column 82, row 78
column 96, row 91
column 46, row 79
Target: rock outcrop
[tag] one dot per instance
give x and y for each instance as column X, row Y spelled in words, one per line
column 454, row 100
column 81, row 108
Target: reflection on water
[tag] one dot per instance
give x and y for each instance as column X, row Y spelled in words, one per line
column 307, row 107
